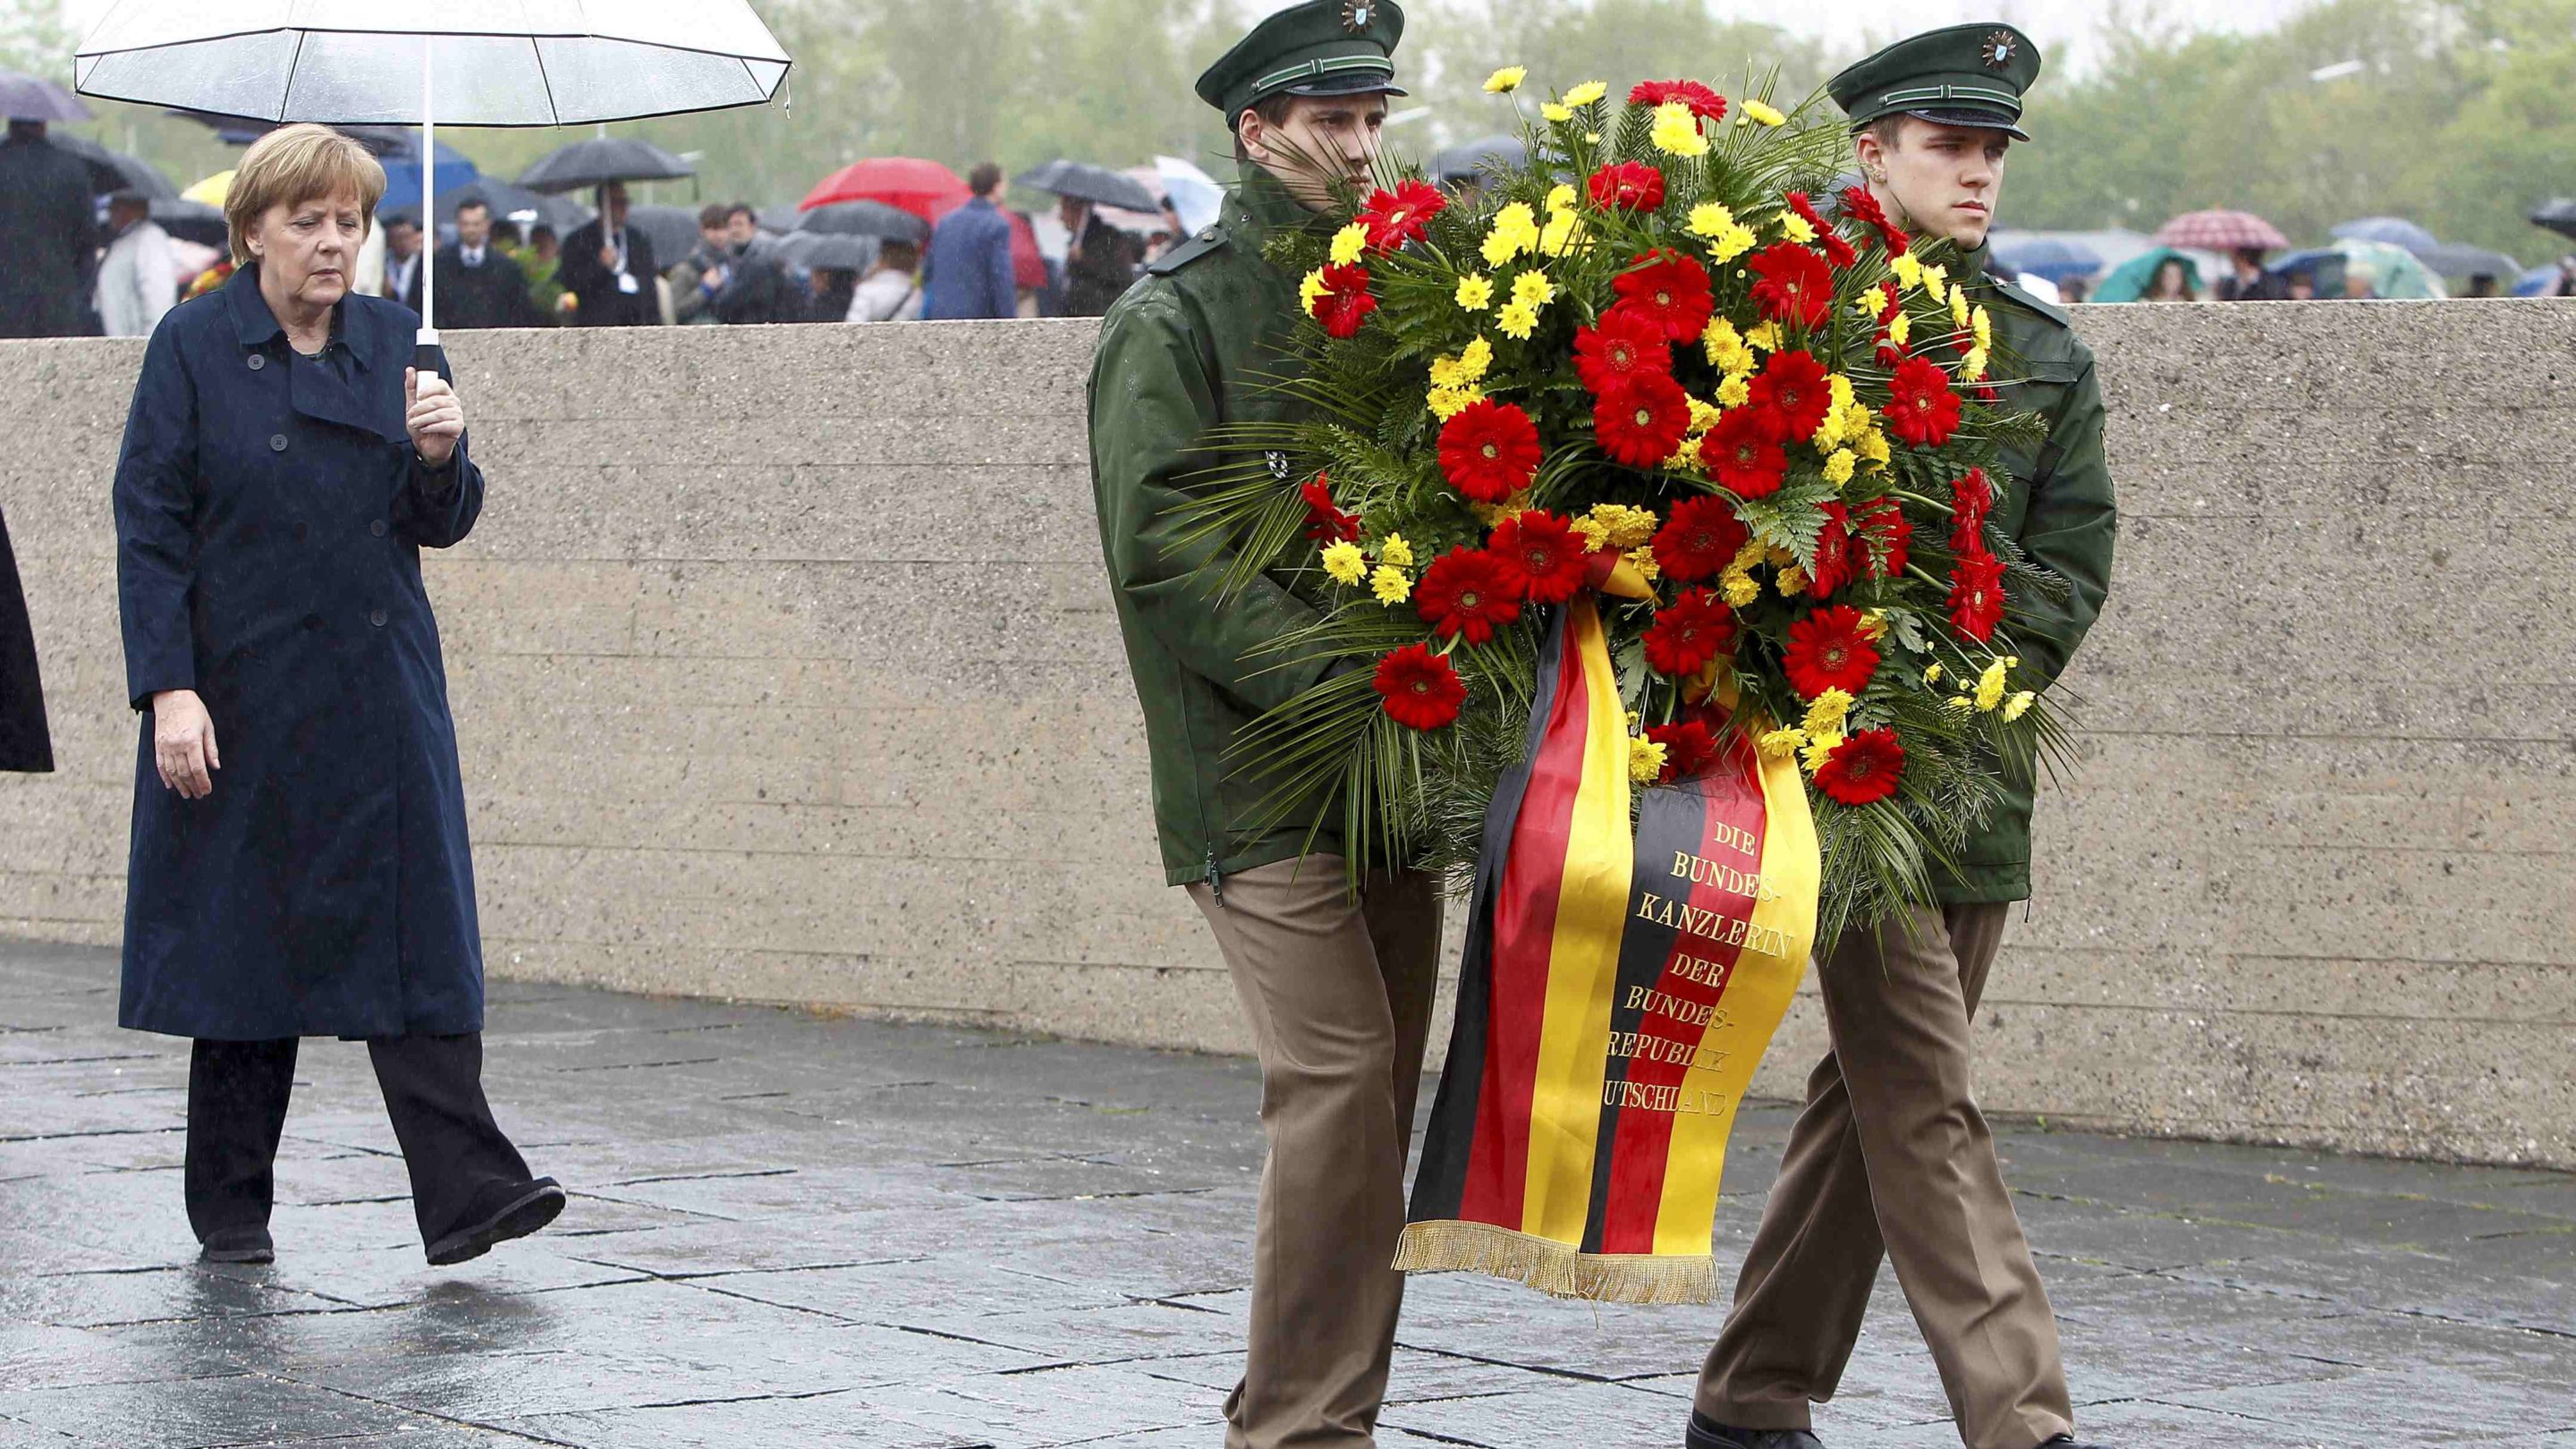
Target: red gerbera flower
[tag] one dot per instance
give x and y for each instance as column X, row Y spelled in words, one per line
column 1324, row 522
column 1668, row 290
column 1977, row 595
column 1859, row 204
column 1744, row 452
column 1889, row 536
column 1922, row 409
column 1626, row 342
column 1346, row 302
column 1400, row 216
column 1704, row 103
column 1689, row 749
column 1466, row 594
column 1829, row 650
column 1835, row 561
column 1688, row 633
column 1796, row 286
column 1699, row 540
column 1643, row 420
column 1628, row 186
column 1419, row 690
column 1489, row 451
column 1863, row 769
column 1793, row 385
column 1541, row 555
column 1972, row 500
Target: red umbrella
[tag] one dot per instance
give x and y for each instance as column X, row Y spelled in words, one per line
column 925, row 188
column 1028, row 264
column 2221, row 231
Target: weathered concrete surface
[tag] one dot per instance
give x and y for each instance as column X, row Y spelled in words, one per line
column 799, row 1231
column 783, row 670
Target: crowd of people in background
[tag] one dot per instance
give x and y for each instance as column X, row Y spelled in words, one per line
column 75, row 264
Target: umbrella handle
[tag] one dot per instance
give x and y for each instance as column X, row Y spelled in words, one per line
column 429, row 358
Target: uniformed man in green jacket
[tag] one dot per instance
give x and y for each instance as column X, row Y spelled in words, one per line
column 1891, row 1156
column 1336, row 990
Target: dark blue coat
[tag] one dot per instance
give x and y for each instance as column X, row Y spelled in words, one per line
column 270, row 513
column 967, row 274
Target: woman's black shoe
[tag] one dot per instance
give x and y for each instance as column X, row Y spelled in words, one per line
column 538, row 1204
column 238, row 1245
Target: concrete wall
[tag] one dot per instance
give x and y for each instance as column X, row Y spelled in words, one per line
column 784, row 671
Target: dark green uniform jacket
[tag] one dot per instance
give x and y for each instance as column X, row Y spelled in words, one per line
column 2059, row 509
column 1184, row 351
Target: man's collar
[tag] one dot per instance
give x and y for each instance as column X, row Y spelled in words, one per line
column 1265, row 201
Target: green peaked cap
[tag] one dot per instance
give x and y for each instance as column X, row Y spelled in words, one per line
column 1322, row 48
column 1961, row 75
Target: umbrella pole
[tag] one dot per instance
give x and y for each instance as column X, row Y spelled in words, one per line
column 426, row 344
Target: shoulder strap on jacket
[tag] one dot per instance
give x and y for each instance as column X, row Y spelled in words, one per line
column 1207, row 242
column 2051, row 311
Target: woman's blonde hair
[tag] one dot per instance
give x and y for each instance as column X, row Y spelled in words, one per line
column 296, row 164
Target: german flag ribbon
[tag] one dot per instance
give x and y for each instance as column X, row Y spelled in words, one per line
column 1619, row 989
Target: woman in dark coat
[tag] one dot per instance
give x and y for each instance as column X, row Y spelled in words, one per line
column 299, row 862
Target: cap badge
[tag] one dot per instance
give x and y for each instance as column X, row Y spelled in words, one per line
column 1358, row 15
column 1999, row 49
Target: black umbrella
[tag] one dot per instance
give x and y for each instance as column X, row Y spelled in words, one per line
column 830, row 253
column 2559, row 216
column 779, row 220
column 113, row 171
column 1466, row 163
column 561, row 213
column 2454, row 259
column 602, row 160
column 1085, row 182
column 865, row 218
column 672, row 230
column 33, row 98
column 192, row 221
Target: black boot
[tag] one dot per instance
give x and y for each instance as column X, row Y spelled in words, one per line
column 239, row 1245
column 1707, row 1433
column 519, row 1211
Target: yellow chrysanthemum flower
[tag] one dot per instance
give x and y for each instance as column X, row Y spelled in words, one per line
column 1390, row 585
column 1766, row 337
column 1533, row 290
column 1857, row 419
column 1840, row 467
column 1685, row 458
column 1873, row 623
column 1596, row 534
column 1820, row 748
column 1736, row 241
column 1932, row 672
column 1642, row 559
column 1448, row 402
column 1725, row 347
column 1645, row 760
column 1344, row 562
column 1506, row 80
column 1873, row 448
column 2019, row 705
column 1778, row 558
column 1984, row 323
column 1908, row 269
column 1564, row 229
column 1515, row 231
column 1959, row 305
column 1793, row 581
column 1900, row 329
column 1555, row 113
column 1629, row 527
column 1586, row 93
column 1475, row 359
column 1710, row 219
column 1827, row 711
column 1829, row 433
column 1311, row 291
column 1396, row 551
column 1936, row 282
column 1704, row 415
column 1973, row 366
column 1676, row 131
column 1796, row 228
column 1563, row 197
column 1444, row 372
column 1767, row 114
column 1350, row 244
column 1736, row 390
column 1782, row 743
column 1741, row 589
column 1961, row 701
column 1990, row 686
column 1518, row 321
column 1475, row 291
column 1839, row 388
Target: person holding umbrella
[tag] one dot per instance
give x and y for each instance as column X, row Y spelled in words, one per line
column 48, row 232
column 608, row 268
column 1100, row 263
column 300, row 864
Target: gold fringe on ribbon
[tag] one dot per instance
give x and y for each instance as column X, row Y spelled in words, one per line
column 1554, row 1268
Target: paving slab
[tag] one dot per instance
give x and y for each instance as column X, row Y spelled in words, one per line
column 793, row 1228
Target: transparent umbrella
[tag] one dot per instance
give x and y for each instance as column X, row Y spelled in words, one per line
column 465, row 62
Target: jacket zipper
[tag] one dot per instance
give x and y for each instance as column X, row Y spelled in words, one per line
column 1215, row 880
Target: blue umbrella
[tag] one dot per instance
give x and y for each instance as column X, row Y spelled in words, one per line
column 2397, row 231
column 2537, row 281
column 2129, row 281
column 402, row 178
column 2053, row 257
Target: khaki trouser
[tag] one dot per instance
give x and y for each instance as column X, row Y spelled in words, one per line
column 1338, row 993
column 1890, row 1120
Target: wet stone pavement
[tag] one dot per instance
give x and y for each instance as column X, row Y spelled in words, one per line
column 788, row 1229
